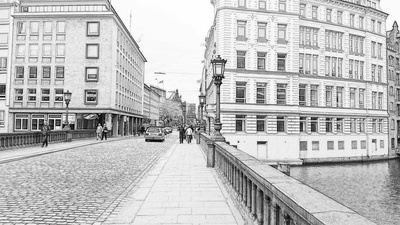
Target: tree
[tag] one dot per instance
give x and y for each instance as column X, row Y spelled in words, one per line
column 169, row 112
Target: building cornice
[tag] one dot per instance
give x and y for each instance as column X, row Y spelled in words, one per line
column 340, row 79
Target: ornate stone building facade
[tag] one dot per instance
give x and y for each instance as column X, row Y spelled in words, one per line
column 305, row 79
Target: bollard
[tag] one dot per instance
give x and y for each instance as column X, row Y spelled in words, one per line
column 210, row 154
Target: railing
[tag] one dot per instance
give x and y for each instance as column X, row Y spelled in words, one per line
column 268, row 196
column 18, row 140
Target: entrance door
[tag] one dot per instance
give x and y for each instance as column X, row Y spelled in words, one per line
column 262, row 149
column 374, row 145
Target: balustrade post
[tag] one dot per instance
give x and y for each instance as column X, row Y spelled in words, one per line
column 240, row 185
column 210, row 154
column 260, row 207
column 254, row 200
column 267, row 210
column 273, row 214
column 244, row 189
column 249, row 199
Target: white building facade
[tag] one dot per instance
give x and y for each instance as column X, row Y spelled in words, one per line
column 304, row 79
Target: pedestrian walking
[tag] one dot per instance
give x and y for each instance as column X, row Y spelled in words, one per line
column 181, row 134
column 99, row 131
column 104, row 134
column 189, row 134
column 45, row 131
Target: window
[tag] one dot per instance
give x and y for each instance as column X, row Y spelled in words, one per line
column 373, row 49
column 314, row 124
column 60, row 50
column 93, row 28
column 353, row 125
column 382, row 144
column 352, row 20
column 374, row 100
column 281, row 94
column 33, row 50
column 361, row 98
column 330, row 145
column 261, row 60
column 60, row 72
column 374, row 125
column 302, row 94
column 363, row 144
column 340, row 145
column 47, row 27
column 21, row 122
column 334, row 66
column 2, row 118
column 281, row 62
column 20, row 50
column 282, row 32
column 34, row 28
column 339, row 97
column 315, row 12
column 303, row 145
column 92, row 51
column 303, row 124
column 241, row 60
column 3, row 64
column 327, row 66
column 314, row 95
column 379, row 50
column 240, row 123
column 380, row 126
column 392, row 143
column 280, row 124
column 19, row 72
column 380, row 97
column 60, row 27
column 2, row 91
column 242, row 3
column 91, row 96
column 46, row 71
column 262, row 31
column 339, row 125
column 339, row 17
column 380, row 73
column 361, row 70
column 328, row 96
column 261, row 93
column 303, row 10
column 373, row 25
column 379, row 27
column 261, row 123
column 282, row 5
column 361, row 22
column 329, row 15
column 240, row 92
column 33, row 72
column 19, row 94
column 46, row 50
column 308, row 64
column 21, row 28
column 328, row 125
column 315, row 145
column 351, row 62
column 262, row 5
column 301, row 63
column 55, row 122
column 92, row 73
column 352, row 97
column 59, row 95
column 241, row 28
column 31, row 95
column 37, row 122
column 45, row 95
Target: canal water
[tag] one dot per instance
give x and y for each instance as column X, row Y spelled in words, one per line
column 371, row 189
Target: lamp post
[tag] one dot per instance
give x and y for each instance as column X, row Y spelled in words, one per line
column 218, row 65
column 183, row 106
column 67, row 128
column 202, row 100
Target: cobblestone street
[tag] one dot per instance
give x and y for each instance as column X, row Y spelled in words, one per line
column 78, row 186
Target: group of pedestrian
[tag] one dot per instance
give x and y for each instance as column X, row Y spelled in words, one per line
column 185, row 133
column 101, row 131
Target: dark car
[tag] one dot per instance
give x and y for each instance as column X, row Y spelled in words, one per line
column 154, row 133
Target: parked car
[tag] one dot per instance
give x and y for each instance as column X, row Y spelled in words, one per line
column 154, row 134
column 168, row 129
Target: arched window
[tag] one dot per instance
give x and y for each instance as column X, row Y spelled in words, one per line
column 392, row 124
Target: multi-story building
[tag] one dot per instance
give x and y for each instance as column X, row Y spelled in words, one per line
column 393, row 70
column 80, row 46
column 6, row 10
column 151, row 105
column 191, row 113
column 305, row 79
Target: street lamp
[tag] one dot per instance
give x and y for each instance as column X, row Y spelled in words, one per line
column 218, row 65
column 67, row 99
column 202, row 100
column 183, row 106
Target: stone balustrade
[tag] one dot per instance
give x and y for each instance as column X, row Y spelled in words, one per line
column 18, row 140
column 267, row 196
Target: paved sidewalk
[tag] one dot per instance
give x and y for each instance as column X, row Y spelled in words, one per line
column 179, row 189
column 10, row 155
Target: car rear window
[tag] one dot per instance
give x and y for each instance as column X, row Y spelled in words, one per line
column 153, row 130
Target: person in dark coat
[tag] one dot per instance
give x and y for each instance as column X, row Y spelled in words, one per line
column 181, row 135
column 105, row 131
column 45, row 131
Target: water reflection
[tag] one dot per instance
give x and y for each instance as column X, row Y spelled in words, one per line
column 371, row 189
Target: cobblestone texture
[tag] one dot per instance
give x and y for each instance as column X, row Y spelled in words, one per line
column 79, row 186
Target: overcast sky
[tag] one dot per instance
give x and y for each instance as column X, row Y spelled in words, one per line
column 171, row 35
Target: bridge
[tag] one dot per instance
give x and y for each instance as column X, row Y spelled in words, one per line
column 205, row 183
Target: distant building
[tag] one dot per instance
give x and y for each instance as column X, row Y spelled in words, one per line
column 151, row 105
column 81, row 46
column 393, row 62
column 191, row 113
column 305, row 79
